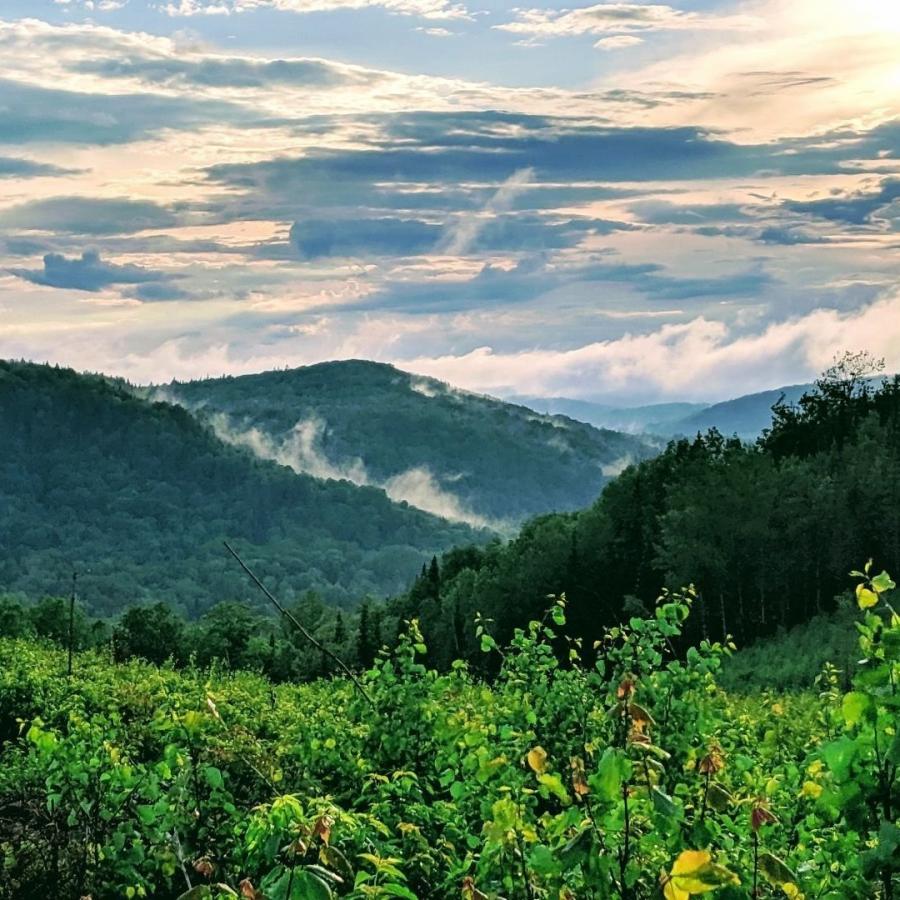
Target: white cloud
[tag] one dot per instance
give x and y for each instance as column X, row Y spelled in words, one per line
column 809, row 67
column 618, row 42
column 463, row 233
column 700, row 359
column 606, row 18
column 426, row 9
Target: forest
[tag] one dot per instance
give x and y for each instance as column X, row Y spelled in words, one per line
column 137, row 497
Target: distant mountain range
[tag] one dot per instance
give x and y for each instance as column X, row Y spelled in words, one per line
column 745, row 416
column 657, row 418
column 456, row 454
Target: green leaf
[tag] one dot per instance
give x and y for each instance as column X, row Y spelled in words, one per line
column 308, row 886
column 883, row 582
column 893, row 752
column 663, row 804
column 612, row 770
column 214, row 777
column 200, row 892
column 554, row 785
column 854, row 706
column 718, row 798
column 398, row 890
column 775, row 870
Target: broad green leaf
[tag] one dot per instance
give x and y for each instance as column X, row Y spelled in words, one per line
column 718, row 798
column 398, row 890
column 612, row 770
column 854, row 706
column 663, row 804
column 554, row 785
column 775, row 870
column 882, row 583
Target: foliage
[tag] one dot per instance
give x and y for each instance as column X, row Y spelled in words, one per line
column 138, row 496
column 624, row 772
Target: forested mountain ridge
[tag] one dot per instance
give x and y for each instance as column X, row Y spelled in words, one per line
column 767, row 531
column 138, row 496
column 746, row 416
column 462, row 455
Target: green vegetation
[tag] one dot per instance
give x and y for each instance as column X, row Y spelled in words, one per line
column 792, row 660
column 627, row 775
column 764, row 531
column 499, row 461
column 138, row 496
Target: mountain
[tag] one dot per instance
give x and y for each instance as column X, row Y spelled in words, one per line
column 744, row 416
column 655, row 418
column 461, row 455
column 138, row 497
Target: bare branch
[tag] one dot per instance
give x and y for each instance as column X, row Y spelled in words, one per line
column 292, row 619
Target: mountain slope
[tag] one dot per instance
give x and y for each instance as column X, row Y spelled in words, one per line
column 745, row 416
column 138, row 496
column 457, row 454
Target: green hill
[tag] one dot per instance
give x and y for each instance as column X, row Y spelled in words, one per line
column 464, row 456
column 138, row 496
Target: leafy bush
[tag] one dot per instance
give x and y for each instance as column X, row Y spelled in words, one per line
column 615, row 771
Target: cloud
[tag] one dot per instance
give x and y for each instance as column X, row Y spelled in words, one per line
column 14, row 167
column 426, row 9
column 87, row 273
column 318, row 238
column 447, row 151
column 537, row 276
column 462, row 234
column 618, row 42
column 874, row 207
column 35, row 114
column 699, row 359
column 226, row 71
column 604, row 18
column 87, row 216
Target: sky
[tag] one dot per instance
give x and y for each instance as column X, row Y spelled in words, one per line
column 629, row 202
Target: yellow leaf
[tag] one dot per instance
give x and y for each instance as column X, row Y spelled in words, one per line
column 690, row 861
column 812, row 790
column 537, row 759
column 671, row 891
column 792, row 891
column 865, row 598
column 694, row 872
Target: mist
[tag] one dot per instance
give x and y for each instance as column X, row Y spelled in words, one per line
column 301, row 450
